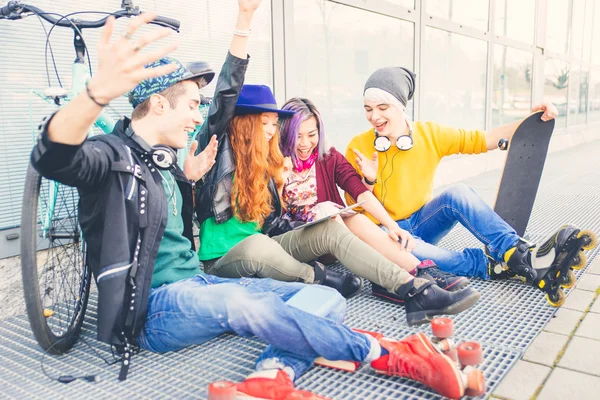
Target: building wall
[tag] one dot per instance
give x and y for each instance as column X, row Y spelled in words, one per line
column 479, row 64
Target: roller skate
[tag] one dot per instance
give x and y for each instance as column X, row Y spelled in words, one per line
column 567, row 246
column 419, row 358
column 549, row 269
column 427, row 361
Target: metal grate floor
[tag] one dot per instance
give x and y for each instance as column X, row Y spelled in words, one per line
column 506, row 320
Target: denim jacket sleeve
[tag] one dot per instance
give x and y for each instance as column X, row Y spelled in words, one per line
column 222, row 107
column 84, row 166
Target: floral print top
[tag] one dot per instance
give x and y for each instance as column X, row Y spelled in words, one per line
column 300, row 195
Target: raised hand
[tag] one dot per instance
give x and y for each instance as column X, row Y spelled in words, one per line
column 121, row 64
column 367, row 167
column 195, row 167
column 248, row 5
column 549, row 109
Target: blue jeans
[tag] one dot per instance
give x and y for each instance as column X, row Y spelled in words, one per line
column 435, row 219
column 195, row 310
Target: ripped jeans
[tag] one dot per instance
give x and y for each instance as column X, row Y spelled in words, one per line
column 195, row 310
column 435, row 219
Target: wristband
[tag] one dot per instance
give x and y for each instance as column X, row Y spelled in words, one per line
column 89, row 94
column 368, row 182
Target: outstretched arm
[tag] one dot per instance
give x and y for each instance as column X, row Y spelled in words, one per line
column 120, row 69
column 507, row 131
column 231, row 78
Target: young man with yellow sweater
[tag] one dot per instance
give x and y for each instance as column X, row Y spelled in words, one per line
column 398, row 160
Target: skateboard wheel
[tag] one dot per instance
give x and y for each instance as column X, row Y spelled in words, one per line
column 579, row 261
column 452, row 353
column 556, row 300
column 592, row 239
column 222, row 390
column 567, row 281
column 470, row 353
column 475, row 386
column 442, row 328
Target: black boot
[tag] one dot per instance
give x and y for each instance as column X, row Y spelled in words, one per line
column 445, row 280
column 346, row 283
column 424, row 300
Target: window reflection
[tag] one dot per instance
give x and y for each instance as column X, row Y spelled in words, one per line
column 578, row 95
column 556, row 82
column 515, row 19
column 473, row 13
column 331, row 50
column 453, row 79
column 512, row 73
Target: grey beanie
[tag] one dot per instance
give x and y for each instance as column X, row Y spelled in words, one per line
column 397, row 81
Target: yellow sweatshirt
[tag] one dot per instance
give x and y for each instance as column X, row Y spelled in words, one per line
column 405, row 178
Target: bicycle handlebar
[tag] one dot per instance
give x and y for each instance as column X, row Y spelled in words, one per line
column 15, row 10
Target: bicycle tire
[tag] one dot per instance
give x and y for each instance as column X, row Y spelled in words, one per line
column 55, row 312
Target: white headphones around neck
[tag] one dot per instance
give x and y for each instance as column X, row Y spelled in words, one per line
column 404, row 142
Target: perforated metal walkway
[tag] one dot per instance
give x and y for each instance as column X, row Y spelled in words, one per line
column 506, row 320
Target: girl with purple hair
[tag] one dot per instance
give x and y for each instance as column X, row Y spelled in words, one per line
column 311, row 191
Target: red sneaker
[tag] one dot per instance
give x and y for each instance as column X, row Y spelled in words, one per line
column 272, row 385
column 415, row 357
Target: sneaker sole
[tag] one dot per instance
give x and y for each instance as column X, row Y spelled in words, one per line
column 423, row 317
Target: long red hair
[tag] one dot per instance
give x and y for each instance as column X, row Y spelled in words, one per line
column 257, row 161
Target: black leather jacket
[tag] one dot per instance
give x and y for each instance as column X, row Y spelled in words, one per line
column 213, row 192
column 123, row 215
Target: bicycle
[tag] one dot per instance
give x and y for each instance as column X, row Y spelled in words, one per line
column 57, row 281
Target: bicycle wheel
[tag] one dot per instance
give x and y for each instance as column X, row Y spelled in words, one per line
column 56, row 278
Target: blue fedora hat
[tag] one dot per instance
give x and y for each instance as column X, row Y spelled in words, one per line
column 256, row 99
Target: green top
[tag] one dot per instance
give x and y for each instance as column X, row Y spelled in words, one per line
column 218, row 239
column 175, row 259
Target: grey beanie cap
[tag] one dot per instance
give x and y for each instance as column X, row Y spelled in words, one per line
column 397, row 81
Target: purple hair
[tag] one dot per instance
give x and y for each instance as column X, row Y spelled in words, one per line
column 290, row 127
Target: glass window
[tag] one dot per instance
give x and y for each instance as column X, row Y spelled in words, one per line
column 473, row 13
column 557, row 26
column 596, row 35
column 331, row 49
column 586, row 40
column 511, row 96
column 453, row 79
column 515, row 19
column 556, row 78
column 582, row 13
column 594, row 99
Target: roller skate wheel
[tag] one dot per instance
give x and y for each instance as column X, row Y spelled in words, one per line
column 592, row 239
column 469, row 353
column 556, row 300
column 569, row 280
column 580, row 261
column 475, row 386
column 452, row 354
column 301, row 395
column 222, row 390
column 442, row 328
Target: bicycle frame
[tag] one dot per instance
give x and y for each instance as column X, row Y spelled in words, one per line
column 80, row 75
